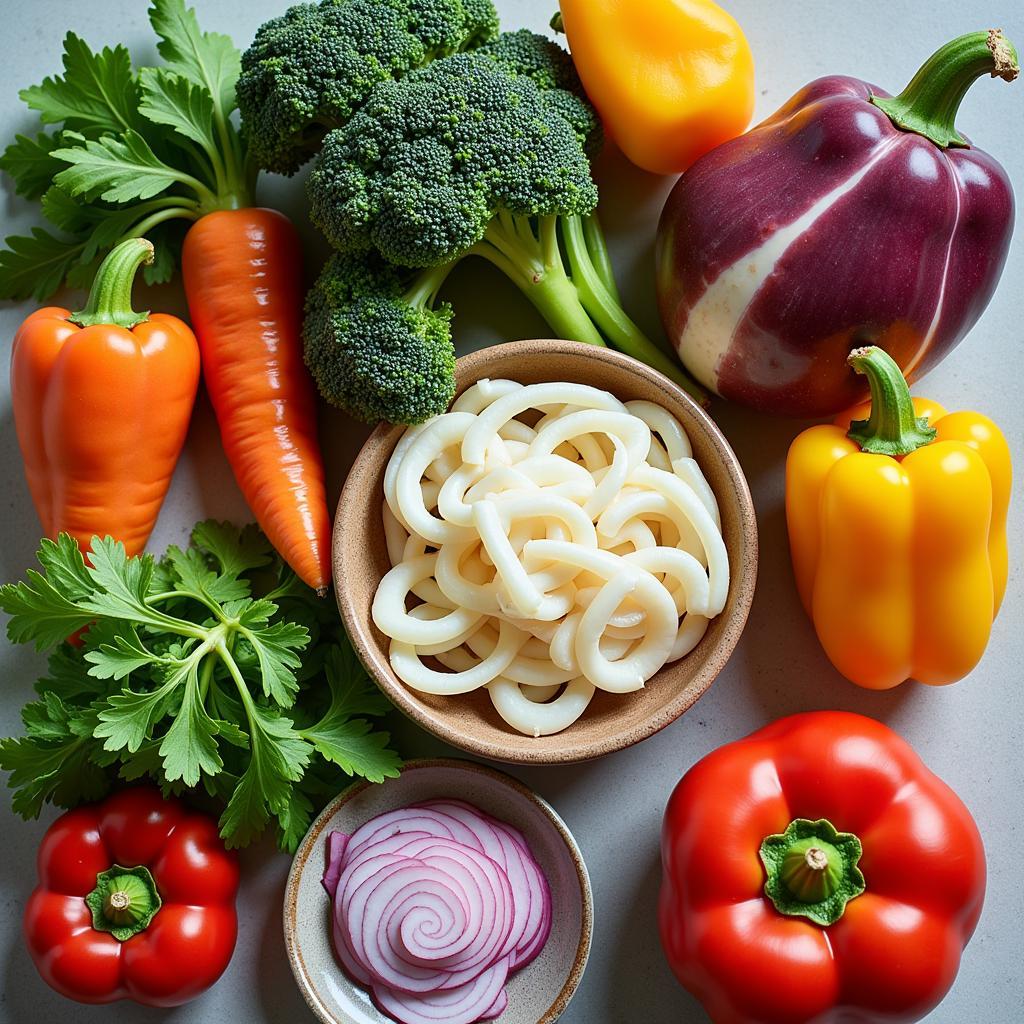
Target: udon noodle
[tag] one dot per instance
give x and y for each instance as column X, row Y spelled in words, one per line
column 546, row 541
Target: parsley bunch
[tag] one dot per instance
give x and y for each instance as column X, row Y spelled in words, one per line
column 215, row 665
column 134, row 152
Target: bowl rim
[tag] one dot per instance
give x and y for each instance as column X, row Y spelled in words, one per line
column 314, row 833
column 376, row 663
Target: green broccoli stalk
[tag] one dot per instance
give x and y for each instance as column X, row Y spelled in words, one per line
column 487, row 154
column 581, row 304
column 309, row 70
column 376, row 344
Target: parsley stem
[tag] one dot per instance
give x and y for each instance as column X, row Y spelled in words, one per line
column 205, row 675
column 194, row 595
column 228, row 658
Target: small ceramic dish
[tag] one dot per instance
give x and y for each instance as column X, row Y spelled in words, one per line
column 612, row 721
column 540, row 992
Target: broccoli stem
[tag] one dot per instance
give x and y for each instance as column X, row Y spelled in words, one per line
column 599, row 255
column 581, row 305
column 535, row 267
column 423, row 289
column 609, row 315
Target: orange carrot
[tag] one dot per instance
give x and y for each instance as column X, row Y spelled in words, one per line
column 243, row 279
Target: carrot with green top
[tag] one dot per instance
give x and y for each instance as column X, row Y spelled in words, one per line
column 151, row 152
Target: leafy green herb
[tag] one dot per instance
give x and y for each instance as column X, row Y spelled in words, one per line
column 133, row 150
column 213, row 666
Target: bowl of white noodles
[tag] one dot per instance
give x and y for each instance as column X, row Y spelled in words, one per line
column 555, row 568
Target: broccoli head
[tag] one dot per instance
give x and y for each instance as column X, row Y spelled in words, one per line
column 430, row 159
column 374, row 342
column 310, row 69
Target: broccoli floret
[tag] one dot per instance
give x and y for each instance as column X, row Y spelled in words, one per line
column 310, row 69
column 375, row 344
column 484, row 154
column 419, row 172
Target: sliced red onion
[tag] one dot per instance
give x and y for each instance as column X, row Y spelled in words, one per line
column 462, row 1005
column 407, row 819
column 498, row 846
column 434, row 906
column 539, row 927
column 336, row 844
column 498, row 1007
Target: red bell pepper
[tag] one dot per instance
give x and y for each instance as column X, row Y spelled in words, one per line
column 817, row 871
column 136, row 900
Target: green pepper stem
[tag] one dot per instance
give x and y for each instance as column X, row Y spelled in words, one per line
column 124, row 901
column 812, row 870
column 928, row 105
column 892, row 428
column 110, row 299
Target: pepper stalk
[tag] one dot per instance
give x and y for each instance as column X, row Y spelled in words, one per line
column 124, row 901
column 892, row 427
column 928, row 105
column 812, row 870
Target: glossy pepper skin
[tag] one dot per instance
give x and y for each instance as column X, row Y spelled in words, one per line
column 900, row 555
column 102, row 401
column 847, row 218
column 892, row 952
column 671, row 79
column 187, row 943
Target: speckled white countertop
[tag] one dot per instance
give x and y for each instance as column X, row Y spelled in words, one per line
column 968, row 733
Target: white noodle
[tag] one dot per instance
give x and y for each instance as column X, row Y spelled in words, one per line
column 578, row 547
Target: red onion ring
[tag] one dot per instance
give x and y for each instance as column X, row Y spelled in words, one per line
column 433, row 907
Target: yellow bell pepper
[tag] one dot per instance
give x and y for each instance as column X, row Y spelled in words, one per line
column 897, row 529
column 671, row 79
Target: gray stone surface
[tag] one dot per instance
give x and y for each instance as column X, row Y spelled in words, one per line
column 969, row 733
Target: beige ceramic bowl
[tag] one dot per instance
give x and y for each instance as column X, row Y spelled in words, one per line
column 540, row 992
column 612, row 721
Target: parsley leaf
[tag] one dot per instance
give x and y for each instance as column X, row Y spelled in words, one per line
column 275, row 646
column 279, row 756
column 208, row 59
column 35, row 266
column 190, row 746
column 126, row 721
column 346, row 741
column 52, row 762
column 173, row 100
column 116, row 169
column 204, row 668
column 97, row 94
column 28, row 161
column 119, row 658
column 40, row 612
column 235, row 551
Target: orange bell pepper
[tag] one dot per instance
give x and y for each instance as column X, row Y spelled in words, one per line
column 102, row 400
column 671, row 79
column 897, row 530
